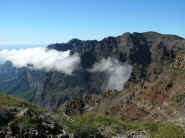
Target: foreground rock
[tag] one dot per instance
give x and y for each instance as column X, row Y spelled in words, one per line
column 19, row 119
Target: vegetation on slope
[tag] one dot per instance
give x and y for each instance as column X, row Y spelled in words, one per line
column 97, row 124
column 20, row 116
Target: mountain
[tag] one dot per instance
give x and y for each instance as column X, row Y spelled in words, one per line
column 151, row 102
column 155, row 90
column 19, row 82
column 150, row 54
column 19, row 119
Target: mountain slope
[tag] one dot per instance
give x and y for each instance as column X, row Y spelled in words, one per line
column 20, row 119
column 146, row 52
column 149, row 53
column 19, row 82
column 151, row 103
column 157, row 93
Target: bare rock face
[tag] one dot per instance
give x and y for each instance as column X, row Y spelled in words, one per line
column 150, row 54
column 155, row 90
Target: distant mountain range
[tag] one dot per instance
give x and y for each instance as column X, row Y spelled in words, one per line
column 157, row 78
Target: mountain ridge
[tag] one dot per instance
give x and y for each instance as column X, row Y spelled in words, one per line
column 137, row 49
column 152, row 99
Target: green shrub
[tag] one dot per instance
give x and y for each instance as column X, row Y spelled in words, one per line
column 91, row 123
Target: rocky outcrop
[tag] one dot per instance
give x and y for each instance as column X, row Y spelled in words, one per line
column 154, row 92
column 146, row 52
column 160, row 96
column 149, row 54
column 19, row 119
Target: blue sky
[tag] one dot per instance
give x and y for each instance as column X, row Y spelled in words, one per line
column 40, row 22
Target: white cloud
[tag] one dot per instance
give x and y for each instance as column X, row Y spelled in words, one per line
column 42, row 58
column 117, row 73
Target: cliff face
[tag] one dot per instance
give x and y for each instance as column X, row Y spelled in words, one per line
column 19, row 82
column 149, row 53
column 155, row 90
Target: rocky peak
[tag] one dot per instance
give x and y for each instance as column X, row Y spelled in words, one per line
column 147, row 53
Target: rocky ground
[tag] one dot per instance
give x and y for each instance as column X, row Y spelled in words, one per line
column 151, row 103
column 159, row 99
column 19, row 119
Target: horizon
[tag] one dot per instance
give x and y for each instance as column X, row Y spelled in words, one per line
column 20, row 46
column 41, row 22
column 10, row 47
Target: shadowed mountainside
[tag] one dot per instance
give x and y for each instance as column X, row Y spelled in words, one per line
column 153, row 97
column 149, row 53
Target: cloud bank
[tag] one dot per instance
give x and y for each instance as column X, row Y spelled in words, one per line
column 116, row 72
column 42, row 59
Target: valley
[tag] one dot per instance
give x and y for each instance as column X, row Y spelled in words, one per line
column 132, row 83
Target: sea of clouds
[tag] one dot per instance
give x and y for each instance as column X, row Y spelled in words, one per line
column 42, row 59
column 45, row 59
